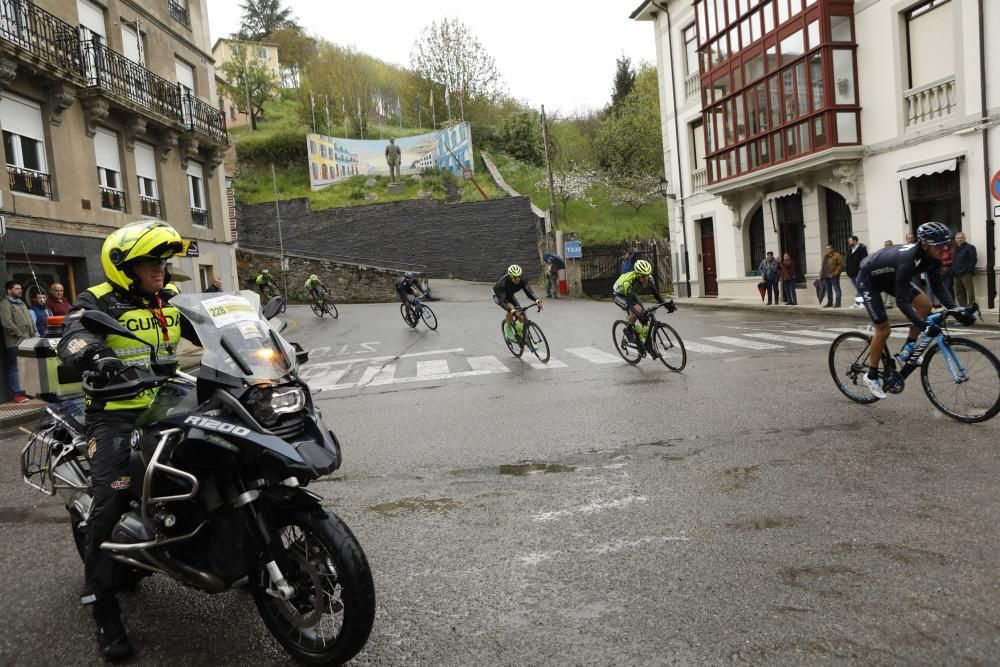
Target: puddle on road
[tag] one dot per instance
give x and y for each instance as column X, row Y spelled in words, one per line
column 35, row 515
column 415, row 506
column 525, row 469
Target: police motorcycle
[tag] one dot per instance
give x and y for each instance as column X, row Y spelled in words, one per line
column 224, row 457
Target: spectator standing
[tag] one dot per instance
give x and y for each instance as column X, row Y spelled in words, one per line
column 216, row 286
column 890, row 300
column 947, row 277
column 788, row 280
column 964, row 267
column 551, row 279
column 858, row 252
column 770, row 273
column 628, row 260
column 57, row 302
column 18, row 324
column 40, row 312
column 833, row 266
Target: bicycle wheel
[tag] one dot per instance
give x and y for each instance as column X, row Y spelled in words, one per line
column 317, row 309
column 537, row 342
column 284, row 304
column 331, row 308
column 849, row 364
column 513, row 345
column 406, row 316
column 669, row 346
column 976, row 396
column 627, row 345
column 429, row 318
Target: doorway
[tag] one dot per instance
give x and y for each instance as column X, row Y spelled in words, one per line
column 792, row 232
column 708, row 258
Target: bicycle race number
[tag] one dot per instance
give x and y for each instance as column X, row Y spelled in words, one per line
column 228, row 309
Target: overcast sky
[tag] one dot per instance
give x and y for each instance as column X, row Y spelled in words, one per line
column 558, row 54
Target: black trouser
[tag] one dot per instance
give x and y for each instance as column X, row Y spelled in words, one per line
column 108, row 435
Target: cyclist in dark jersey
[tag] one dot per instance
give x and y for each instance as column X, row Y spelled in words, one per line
column 891, row 270
column 504, row 290
column 408, row 290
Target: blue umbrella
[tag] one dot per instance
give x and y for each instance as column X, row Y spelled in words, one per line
column 560, row 264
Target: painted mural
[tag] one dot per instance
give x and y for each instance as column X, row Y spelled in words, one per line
column 332, row 159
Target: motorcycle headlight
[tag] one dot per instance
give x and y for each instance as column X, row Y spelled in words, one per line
column 267, row 404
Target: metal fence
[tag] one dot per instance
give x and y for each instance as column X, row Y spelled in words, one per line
column 601, row 264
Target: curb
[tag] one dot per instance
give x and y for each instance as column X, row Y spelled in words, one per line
column 10, row 419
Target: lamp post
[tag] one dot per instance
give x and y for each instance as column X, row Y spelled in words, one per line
column 664, row 189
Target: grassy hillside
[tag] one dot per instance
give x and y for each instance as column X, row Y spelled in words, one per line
column 602, row 223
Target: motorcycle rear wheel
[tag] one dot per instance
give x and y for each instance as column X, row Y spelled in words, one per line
column 329, row 619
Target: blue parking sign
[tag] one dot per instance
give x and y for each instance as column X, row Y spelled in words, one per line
column 574, row 250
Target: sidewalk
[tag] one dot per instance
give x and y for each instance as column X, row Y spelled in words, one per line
column 17, row 414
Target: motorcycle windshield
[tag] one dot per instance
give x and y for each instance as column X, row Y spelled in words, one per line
column 236, row 340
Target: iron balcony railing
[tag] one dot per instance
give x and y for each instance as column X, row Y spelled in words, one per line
column 179, row 11
column 29, row 181
column 149, row 206
column 113, row 72
column 204, row 118
column 199, row 216
column 35, row 30
column 113, row 199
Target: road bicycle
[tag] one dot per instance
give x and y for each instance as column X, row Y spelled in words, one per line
column 662, row 340
column 527, row 334
column 960, row 376
column 267, row 294
column 419, row 312
column 323, row 306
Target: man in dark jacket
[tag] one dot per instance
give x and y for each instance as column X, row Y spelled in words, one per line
column 856, row 252
column 963, row 265
column 770, row 273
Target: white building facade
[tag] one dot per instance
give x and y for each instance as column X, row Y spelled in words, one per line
column 790, row 124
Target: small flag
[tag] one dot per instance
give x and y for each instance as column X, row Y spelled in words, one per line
column 399, row 110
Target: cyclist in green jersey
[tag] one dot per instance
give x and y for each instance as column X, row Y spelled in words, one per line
column 626, row 297
column 317, row 290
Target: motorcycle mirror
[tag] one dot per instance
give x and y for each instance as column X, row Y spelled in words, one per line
column 301, row 355
column 103, row 324
column 273, row 307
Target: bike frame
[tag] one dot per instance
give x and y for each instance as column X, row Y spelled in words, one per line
column 922, row 346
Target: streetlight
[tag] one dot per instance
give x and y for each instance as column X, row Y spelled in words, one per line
column 664, row 189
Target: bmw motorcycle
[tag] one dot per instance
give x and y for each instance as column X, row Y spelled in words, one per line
column 219, row 462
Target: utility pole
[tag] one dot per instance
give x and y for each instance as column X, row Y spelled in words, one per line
column 281, row 240
column 548, row 169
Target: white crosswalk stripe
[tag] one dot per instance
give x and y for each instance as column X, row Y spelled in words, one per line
column 705, row 349
column 594, row 355
column 487, row 363
column 787, row 339
column 429, row 369
column 742, row 342
column 536, row 364
column 829, row 335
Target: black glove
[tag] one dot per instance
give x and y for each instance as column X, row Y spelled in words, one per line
column 964, row 316
column 105, row 366
column 932, row 330
column 671, row 307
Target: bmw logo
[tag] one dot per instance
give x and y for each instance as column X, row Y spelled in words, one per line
column 134, row 440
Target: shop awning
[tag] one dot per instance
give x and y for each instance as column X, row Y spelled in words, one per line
column 778, row 194
column 929, row 168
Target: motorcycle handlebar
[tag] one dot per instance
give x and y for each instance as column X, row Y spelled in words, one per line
column 124, row 389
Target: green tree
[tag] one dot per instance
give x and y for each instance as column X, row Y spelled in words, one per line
column 623, row 83
column 248, row 82
column 629, row 140
column 296, row 50
column 263, row 17
column 520, row 136
column 448, row 54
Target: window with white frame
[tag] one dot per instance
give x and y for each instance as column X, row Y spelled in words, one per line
column 24, row 146
column 930, row 42
column 145, row 169
column 196, row 194
column 697, row 146
column 690, row 50
column 262, row 54
column 109, row 170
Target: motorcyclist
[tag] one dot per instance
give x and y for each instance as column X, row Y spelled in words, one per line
column 137, row 294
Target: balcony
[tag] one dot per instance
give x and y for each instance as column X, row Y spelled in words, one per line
column 699, row 179
column 692, row 86
column 29, row 182
column 930, row 102
column 149, row 206
column 204, row 119
column 199, row 216
column 178, row 10
column 113, row 200
column 131, row 83
column 40, row 36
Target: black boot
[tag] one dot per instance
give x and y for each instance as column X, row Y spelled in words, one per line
column 111, row 636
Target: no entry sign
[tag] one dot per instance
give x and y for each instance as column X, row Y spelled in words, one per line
column 995, row 186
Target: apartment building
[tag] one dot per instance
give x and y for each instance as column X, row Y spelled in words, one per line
column 790, row 124
column 108, row 116
column 223, row 51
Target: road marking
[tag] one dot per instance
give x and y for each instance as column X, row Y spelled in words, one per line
column 590, row 508
column 741, row 342
column 351, row 362
column 705, row 349
column 535, row 363
column 593, row 355
column 431, row 368
column 786, row 339
column 489, row 363
column 829, row 335
column 377, row 375
column 329, row 380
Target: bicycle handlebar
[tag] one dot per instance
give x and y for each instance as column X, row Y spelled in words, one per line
column 525, row 308
column 941, row 317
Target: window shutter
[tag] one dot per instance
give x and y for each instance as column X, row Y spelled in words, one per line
column 91, row 17
column 22, row 117
column 185, row 74
column 106, row 148
column 145, row 161
column 932, row 46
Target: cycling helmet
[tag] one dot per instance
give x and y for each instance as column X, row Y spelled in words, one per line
column 139, row 240
column 514, row 271
column 265, row 272
column 408, row 275
column 643, row 268
column 934, row 233
column 313, row 277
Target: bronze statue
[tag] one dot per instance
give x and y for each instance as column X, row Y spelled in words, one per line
column 393, row 156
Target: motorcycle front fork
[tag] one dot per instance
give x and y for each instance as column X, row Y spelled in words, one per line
column 270, row 545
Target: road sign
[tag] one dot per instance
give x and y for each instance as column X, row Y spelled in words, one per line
column 995, row 186
column 996, row 211
column 3, row 226
column 190, row 249
column 574, row 250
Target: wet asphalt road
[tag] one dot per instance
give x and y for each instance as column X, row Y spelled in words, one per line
column 742, row 511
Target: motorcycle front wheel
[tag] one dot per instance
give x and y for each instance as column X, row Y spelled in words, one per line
column 330, row 615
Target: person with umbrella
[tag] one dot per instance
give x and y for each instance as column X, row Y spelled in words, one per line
column 770, row 273
column 553, row 263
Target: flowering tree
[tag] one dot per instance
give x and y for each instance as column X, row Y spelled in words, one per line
column 635, row 190
column 571, row 183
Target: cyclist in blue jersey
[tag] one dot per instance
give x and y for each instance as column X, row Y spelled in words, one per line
column 408, row 290
column 891, row 270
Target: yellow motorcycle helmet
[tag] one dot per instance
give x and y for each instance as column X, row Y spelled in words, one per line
column 137, row 240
